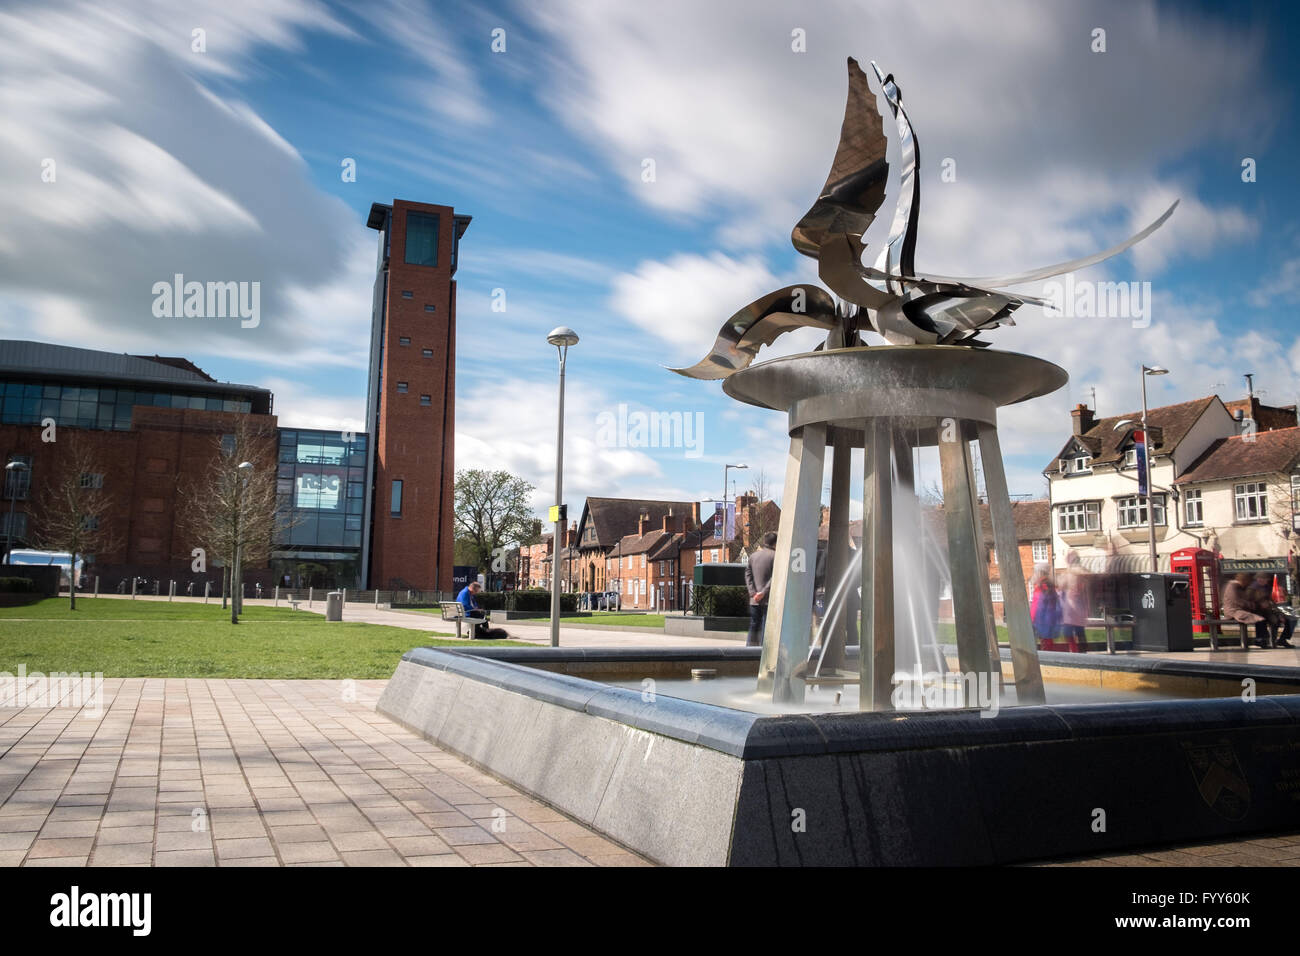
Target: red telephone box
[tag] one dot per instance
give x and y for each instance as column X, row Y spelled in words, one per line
column 1202, row 570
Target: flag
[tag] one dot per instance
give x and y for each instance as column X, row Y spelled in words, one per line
column 1140, row 437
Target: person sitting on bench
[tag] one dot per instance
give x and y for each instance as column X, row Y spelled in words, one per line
column 472, row 611
column 1238, row 606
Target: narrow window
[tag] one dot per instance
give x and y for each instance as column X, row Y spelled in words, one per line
column 395, row 508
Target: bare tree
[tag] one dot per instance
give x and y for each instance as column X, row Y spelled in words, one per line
column 764, row 516
column 491, row 510
column 75, row 512
column 231, row 510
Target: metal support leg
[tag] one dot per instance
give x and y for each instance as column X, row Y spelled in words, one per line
column 789, row 610
column 968, row 579
column 876, row 660
column 836, row 626
column 1015, row 603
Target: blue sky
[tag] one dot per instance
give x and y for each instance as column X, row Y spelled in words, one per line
column 225, row 165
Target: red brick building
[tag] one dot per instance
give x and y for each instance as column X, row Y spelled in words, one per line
column 410, row 408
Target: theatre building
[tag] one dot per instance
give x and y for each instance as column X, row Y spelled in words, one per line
column 370, row 509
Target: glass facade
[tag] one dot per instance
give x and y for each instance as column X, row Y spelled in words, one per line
column 321, row 492
column 28, row 403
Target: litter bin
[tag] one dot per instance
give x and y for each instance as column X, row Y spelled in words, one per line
column 1161, row 605
column 334, row 606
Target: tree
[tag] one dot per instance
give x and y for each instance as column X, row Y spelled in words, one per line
column 492, row 508
column 76, row 513
column 763, row 517
column 233, row 509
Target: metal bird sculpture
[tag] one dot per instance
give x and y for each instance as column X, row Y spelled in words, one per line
column 902, row 305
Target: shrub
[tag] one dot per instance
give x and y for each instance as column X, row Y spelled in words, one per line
column 538, row 600
column 18, row 586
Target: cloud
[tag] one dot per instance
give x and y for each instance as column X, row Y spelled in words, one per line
column 155, row 174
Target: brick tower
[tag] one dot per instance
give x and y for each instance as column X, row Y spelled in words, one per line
column 411, row 400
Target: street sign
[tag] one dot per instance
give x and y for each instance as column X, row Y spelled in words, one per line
column 558, row 513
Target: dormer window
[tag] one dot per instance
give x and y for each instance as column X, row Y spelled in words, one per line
column 1131, row 457
column 1078, row 463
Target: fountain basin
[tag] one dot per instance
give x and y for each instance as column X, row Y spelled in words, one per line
column 690, row 783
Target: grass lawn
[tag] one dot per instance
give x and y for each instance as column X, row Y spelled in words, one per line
column 947, row 634
column 121, row 638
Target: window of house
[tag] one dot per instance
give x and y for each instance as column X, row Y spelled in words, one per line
column 1131, row 457
column 401, row 387
column 993, row 556
column 421, row 239
column 1078, row 516
column 89, row 480
column 1251, row 499
column 1076, row 464
column 228, row 447
column 1193, row 508
column 1040, row 551
column 1295, row 502
column 426, row 399
column 713, row 555
column 995, row 591
column 1133, row 511
column 90, row 523
column 395, row 502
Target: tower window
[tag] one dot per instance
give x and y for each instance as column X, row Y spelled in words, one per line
column 404, row 340
column 421, row 239
column 430, row 308
column 426, row 399
column 401, row 387
column 408, row 294
column 395, row 503
column 428, row 353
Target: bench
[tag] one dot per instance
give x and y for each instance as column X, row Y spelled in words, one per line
column 1110, row 619
column 1212, row 624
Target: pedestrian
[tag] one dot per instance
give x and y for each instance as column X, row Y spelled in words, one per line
column 758, row 578
column 1073, row 592
column 1238, row 605
column 473, row 612
column 1045, row 612
column 1260, row 594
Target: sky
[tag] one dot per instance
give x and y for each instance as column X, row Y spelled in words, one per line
column 633, row 171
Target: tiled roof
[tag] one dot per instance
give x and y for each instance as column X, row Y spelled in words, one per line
column 1265, row 453
column 615, row 518
column 1169, row 425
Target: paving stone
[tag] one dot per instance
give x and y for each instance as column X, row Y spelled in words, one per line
column 121, row 854
column 372, row 858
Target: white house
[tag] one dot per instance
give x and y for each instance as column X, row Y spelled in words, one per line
column 1093, row 484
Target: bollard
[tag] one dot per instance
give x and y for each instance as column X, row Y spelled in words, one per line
column 133, row 587
column 376, row 597
column 343, row 597
column 207, row 586
column 277, row 596
column 408, row 596
column 310, row 591
column 171, row 590
column 96, row 585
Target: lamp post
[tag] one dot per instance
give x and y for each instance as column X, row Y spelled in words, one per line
column 1146, row 449
column 245, row 471
column 561, row 337
column 11, row 484
column 725, row 541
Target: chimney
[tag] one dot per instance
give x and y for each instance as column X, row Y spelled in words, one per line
column 1083, row 417
column 668, row 523
column 643, row 523
column 695, row 514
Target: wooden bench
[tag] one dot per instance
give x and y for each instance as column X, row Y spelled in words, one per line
column 1212, row 625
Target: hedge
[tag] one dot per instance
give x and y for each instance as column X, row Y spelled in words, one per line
column 18, row 586
column 713, row 600
column 533, row 599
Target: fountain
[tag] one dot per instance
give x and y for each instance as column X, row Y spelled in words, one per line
column 761, row 756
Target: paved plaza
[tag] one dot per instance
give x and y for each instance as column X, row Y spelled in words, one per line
column 171, row 772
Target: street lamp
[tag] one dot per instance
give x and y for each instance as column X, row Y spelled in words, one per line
column 245, row 471
column 1146, row 455
column 11, row 483
column 561, row 337
column 725, row 469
